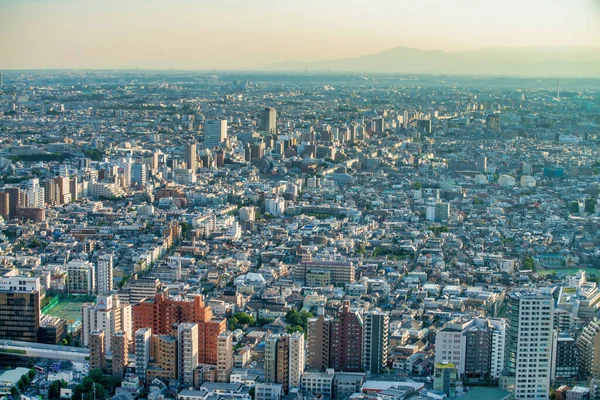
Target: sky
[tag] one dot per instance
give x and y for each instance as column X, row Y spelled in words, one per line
column 238, row 34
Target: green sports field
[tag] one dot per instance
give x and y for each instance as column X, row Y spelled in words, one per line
column 69, row 310
column 570, row 271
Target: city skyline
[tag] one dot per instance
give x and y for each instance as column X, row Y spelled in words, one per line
column 241, row 35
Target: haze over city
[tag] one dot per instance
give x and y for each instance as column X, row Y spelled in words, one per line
column 239, row 34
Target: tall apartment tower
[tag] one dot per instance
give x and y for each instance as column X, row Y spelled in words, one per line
column 589, row 349
column 104, row 274
column 97, row 351
column 319, row 342
column 187, row 338
column 271, row 359
column 375, row 341
column 164, row 358
column 283, row 356
column 347, row 335
column 119, row 343
column 142, row 352
column 215, row 133
column 268, row 120
column 4, row 206
column 190, row 156
column 224, row 356
column 529, row 337
column 297, row 359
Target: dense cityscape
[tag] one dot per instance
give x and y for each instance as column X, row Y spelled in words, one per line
column 268, row 236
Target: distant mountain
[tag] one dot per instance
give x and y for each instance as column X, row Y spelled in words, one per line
column 539, row 62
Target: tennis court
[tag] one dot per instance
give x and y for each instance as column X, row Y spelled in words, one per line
column 69, row 310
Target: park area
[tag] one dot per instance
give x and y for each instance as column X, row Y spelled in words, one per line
column 570, row 271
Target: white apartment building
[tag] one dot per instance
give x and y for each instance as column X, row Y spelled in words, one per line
column 104, row 279
column 81, row 277
column 529, row 337
column 224, row 356
column 108, row 315
column 297, row 359
column 187, row 337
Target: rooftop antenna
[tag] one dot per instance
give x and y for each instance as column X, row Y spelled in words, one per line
column 558, row 90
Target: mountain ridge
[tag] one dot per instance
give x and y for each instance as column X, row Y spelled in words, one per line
column 521, row 61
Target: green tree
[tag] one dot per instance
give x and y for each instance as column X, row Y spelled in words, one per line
column 31, row 373
column 26, row 380
column 590, row 206
column 294, row 328
column 529, row 263
column 54, row 389
column 240, row 319
column 574, row 207
column 296, row 318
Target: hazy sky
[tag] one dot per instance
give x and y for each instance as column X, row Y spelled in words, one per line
column 200, row 34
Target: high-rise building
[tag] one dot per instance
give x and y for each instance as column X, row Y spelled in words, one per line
column 271, row 359
column 16, row 199
column 187, row 339
column 224, row 356
column 319, row 342
column 64, row 189
column 97, row 350
column 268, row 120
column 529, row 336
column 139, row 174
column 119, row 344
column 474, row 346
column 375, row 341
column 81, row 277
column 163, row 313
column 164, row 358
column 482, row 164
column 346, row 340
column 104, row 277
column 190, row 157
column 215, row 133
column 283, row 357
column 20, row 308
column 565, row 360
column 4, row 206
column 51, row 192
column 297, row 359
column 142, row 352
column 108, row 315
column 589, row 349
column 492, row 122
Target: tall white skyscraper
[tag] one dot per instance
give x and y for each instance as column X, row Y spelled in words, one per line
column 215, row 133
column 143, row 337
column 104, row 271
column 529, row 337
column 297, row 359
column 187, row 337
